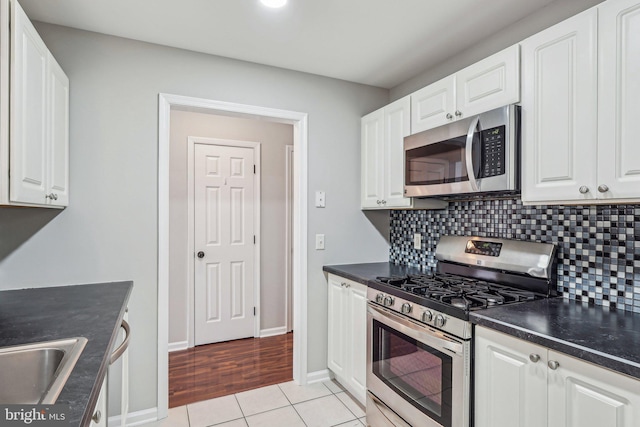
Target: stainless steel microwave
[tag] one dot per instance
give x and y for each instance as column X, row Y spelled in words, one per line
column 479, row 154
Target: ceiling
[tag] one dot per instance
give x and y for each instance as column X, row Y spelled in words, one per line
column 377, row 42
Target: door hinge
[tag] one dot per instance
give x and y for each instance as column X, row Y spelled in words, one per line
column 254, row 311
column 254, row 239
column 254, row 169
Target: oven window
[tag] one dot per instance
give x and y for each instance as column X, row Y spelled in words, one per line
column 438, row 163
column 420, row 374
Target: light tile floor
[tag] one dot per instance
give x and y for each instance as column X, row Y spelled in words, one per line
column 283, row 405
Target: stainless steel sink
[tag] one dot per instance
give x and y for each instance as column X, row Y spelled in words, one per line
column 36, row 373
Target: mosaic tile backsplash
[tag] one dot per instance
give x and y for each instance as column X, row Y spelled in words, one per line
column 598, row 246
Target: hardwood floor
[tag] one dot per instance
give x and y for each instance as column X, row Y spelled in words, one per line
column 220, row 369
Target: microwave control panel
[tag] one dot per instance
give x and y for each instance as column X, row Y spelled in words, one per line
column 493, row 151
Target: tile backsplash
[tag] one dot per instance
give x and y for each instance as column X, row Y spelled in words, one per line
column 598, row 246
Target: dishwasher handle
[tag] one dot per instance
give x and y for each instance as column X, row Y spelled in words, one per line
column 125, row 344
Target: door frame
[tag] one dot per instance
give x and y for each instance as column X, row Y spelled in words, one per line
column 300, row 227
column 191, row 143
column 288, row 245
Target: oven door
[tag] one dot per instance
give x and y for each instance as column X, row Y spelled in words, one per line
column 419, row 373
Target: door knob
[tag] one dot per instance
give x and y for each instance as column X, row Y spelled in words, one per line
column 200, row 254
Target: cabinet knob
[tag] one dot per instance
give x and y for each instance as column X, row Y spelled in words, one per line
column 603, row 188
column 584, row 189
column 378, row 201
column 449, row 116
column 553, row 365
column 534, row 357
column 458, row 113
column 97, row 416
column 345, row 285
column 384, row 202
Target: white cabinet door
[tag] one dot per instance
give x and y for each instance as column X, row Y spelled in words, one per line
column 488, row 84
column 357, row 340
column 29, row 119
column 559, row 111
column 397, row 123
column 510, row 388
column 372, row 161
column 58, row 180
column 433, row 105
column 336, row 314
column 619, row 100
column 585, row 395
column 99, row 418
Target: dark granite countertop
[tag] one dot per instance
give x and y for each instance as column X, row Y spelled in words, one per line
column 608, row 338
column 361, row 273
column 92, row 311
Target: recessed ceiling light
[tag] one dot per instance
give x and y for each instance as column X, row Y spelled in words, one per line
column 274, row 3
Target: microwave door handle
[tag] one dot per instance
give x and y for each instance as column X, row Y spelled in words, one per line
column 469, row 153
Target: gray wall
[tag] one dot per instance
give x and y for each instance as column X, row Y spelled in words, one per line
column 274, row 137
column 515, row 33
column 109, row 231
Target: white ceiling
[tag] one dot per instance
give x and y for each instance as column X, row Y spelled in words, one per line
column 376, row 42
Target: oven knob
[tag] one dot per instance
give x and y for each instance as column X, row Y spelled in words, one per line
column 440, row 320
column 380, row 298
column 406, row 308
column 427, row 316
column 388, row 301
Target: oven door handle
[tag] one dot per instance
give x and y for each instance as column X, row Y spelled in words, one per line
column 415, row 330
column 469, row 154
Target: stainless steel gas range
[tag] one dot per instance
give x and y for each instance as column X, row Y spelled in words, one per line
column 420, row 340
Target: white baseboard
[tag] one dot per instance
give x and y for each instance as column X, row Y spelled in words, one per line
column 179, row 345
column 318, row 376
column 273, row 332
column 137, row 418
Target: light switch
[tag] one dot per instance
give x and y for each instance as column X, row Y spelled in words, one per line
column 320, row 242
column 320, row 201
column 417, row 241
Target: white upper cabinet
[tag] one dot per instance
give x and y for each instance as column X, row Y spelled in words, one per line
column 581, row 103
column 483, row 86
column 619, row 100
column 38, row 113
column 382, row 159
column 559, row 111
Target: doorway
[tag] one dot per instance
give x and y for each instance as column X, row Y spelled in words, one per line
column 298, row 122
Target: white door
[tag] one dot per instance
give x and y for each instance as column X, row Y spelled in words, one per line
column 559, row 111
column 397, row 125
column 433, row 105
column 488, row 84
column 28, row 110
column 619, row 100
column 224, row 242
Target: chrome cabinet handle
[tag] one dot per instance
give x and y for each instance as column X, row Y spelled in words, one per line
column 553, row 365
column 125, row 344
column 458, row 113
column 345, row 285
column 584, row 189
column 534, row 357
column 449, row 116
column 97, row 416
column 603, row 188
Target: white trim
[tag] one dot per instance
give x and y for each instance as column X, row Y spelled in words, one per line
column 178, row 346
column 272, row 332
column 137, row 418
column 257, row 158
column 318, row 376
column 288, row 240
column 300, row 142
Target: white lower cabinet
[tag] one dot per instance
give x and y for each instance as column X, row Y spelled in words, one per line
column 99, row 417
column 518, row 383
column 347, row 329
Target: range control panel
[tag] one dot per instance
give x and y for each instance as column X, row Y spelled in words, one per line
column 493, row 152
column 479, row 247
